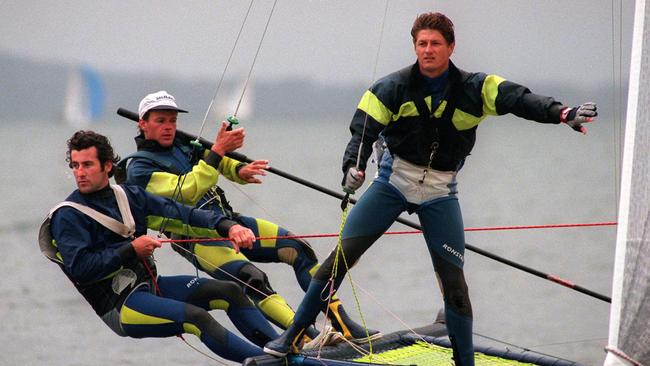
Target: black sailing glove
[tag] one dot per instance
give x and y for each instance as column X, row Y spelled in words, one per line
column 576, row 116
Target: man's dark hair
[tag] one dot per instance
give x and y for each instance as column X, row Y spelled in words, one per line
column 82, row 140
column 434, row 21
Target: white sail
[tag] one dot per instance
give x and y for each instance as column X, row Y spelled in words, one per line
column 227, row 104
column 84, row 97
column 629, row 327
column 74, row 112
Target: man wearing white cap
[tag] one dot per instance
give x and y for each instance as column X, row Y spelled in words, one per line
column 158, row 101
column 167, row 166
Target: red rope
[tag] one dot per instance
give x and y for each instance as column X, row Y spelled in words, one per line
column 153, row 278
column 622, row 355
column 553, row 226
column 333, row 235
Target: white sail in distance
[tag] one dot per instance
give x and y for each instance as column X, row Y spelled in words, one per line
column 84, row 97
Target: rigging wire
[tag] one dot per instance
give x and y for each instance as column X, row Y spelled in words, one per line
column 233, row 119
column 177, row 194
column 374, row 76
column 223, row 73
column 345, row 207
column 250, row 71
column 267, row 214
column 617, row 93
column 201, row 352
column 547, row 276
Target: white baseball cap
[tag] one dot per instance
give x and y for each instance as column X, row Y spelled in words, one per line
column 158, row 100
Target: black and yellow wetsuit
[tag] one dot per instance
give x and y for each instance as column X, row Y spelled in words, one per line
column 190, row 176
column 428, row 128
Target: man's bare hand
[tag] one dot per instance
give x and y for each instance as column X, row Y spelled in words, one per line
column 250, row 171
column 241, row 237
column 227, row 141
column 145, row 245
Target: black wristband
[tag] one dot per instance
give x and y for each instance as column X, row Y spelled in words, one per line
column 239, row 167
column 224, row 226
column 213, row 159
column 126, row 252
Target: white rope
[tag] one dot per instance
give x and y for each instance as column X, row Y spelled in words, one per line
column 374, row 75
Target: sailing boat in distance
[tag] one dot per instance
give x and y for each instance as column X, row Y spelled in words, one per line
column 228, row 102
column 84, row 97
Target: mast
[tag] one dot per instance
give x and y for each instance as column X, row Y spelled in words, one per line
column 629, row 328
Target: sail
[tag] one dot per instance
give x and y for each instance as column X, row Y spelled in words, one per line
column 629, row 327
column 84, row 98
column 228, row 102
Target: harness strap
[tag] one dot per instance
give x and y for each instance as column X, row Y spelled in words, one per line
column 441, row 126
column 125, row 209
column 125, row 229
column 225, row 204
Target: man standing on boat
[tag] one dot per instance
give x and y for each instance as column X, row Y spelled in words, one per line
column 167, row 166
column 98, row 237
column 423, row 121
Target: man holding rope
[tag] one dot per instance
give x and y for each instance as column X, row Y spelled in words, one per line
column 98, row 238
column 423, row 121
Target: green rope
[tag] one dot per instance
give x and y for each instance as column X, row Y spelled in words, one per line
column 339, row 250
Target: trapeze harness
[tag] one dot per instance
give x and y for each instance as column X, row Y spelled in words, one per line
column 108, row 294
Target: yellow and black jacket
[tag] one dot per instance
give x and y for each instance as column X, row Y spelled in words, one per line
column 179, row 172
column 399, row 107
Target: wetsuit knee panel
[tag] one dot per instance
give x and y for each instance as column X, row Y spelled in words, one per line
column 227, row 291
column 352, row 250
column 454, row 288
column 196, row 315
column 255, row 278
column 458, row 299
column 200, row 320
column 288, row 255
column 296, row 250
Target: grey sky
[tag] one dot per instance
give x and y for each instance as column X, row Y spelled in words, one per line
column 329, row 41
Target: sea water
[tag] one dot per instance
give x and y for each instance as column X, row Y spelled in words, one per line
column 520, row 173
